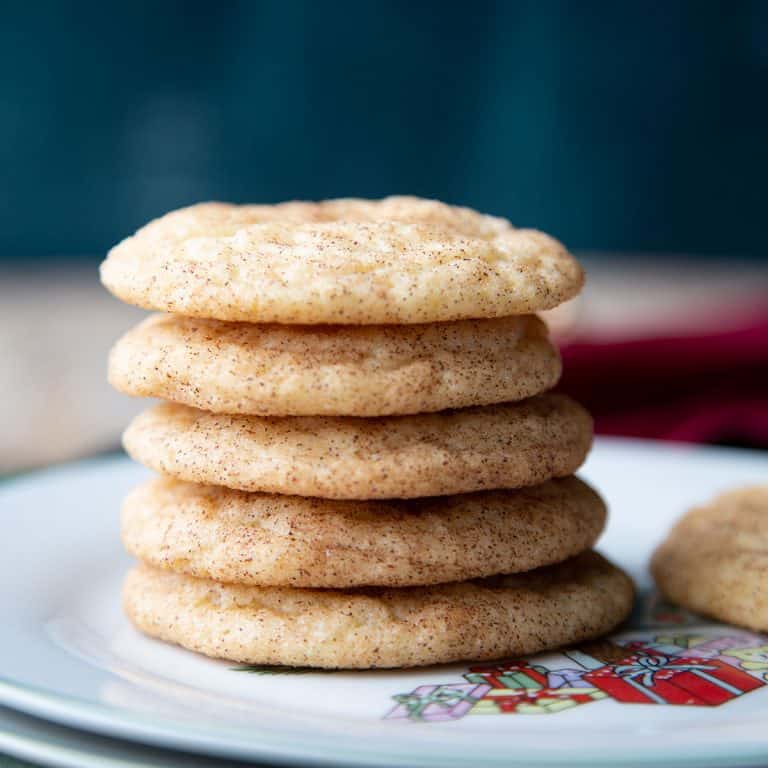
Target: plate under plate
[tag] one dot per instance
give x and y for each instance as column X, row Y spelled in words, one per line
column 68, row 655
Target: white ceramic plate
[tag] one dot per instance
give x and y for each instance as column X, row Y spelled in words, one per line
column 67, row 654
column 45, row 743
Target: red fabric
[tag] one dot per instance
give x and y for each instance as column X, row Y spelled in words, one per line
column 710, row 387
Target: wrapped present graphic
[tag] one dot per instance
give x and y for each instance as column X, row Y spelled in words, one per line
column 751, row 659
column 732, row 648
column 657, row 646
column 723, row 645
column 568, row 678
column 437, row 702
column 512, row 675
column 530, row 702
column 680, row 642
column 652, row 678
column 589, row 656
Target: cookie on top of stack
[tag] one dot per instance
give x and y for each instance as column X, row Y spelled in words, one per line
column 361, row 465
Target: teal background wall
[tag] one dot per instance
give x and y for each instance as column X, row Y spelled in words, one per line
column 630, row 125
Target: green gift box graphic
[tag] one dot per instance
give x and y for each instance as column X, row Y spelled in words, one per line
column 512, row 675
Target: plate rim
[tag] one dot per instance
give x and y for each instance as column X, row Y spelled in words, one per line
column 35, row 743
column 82, row 715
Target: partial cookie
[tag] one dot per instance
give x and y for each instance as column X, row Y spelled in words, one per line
column 715, row 559
column 398, row 260
column 272, row 540
column 274, row 370
column 435, row 454
column 359, row 629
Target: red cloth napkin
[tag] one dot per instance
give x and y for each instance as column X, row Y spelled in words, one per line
column 709, row 387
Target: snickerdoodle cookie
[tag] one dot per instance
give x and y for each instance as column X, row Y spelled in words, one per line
column 273, row 540
column 715, row 559
column 581, row 598
column 435, row 454
column 334, row 370
column 397, row 260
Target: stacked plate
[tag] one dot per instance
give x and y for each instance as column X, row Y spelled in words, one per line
column 68, row 656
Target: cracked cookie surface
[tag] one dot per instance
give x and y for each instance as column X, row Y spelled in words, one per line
column 397, row 260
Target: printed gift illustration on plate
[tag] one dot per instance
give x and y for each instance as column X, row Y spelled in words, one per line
column 707, row 667
column 650, row 677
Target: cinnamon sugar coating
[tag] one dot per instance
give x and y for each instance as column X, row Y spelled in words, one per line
column 275, row 370
column 361, row 629
column 266, row 539
column 715, row 559
column 397, row 260
column 495, row 446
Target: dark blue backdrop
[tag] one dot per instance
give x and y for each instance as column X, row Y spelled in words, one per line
column 636, row 125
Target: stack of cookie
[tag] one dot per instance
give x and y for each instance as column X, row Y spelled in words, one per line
column 357, row 438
